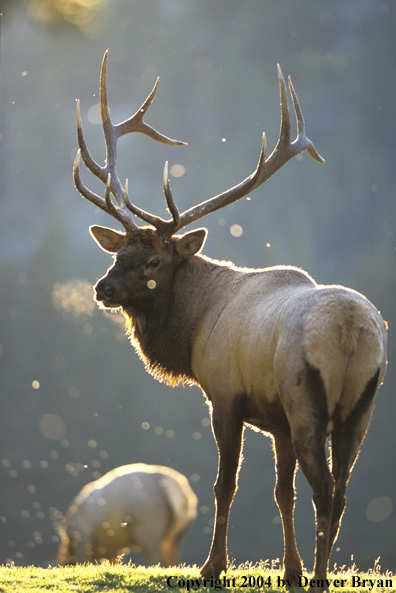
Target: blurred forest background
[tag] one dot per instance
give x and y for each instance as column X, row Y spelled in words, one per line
column 76, row 400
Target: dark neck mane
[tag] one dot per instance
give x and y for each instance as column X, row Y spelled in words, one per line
column 163, row 337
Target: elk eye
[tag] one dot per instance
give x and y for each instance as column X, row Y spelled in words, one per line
column 154, row 263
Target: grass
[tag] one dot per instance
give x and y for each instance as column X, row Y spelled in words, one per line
column 262, row 577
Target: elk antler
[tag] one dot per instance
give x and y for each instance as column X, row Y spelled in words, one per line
column 283, row 152
column 123, row 209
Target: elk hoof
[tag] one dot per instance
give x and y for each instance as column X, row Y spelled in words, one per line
column 210, row 570
column 292, row 577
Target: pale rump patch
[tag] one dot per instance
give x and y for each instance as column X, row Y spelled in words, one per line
column 342, row 335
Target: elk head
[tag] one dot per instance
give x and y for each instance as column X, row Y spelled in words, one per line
column 148, row 254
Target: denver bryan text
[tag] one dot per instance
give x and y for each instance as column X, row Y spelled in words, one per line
column 266, row 582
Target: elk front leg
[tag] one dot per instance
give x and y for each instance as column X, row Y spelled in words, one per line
column 285, row 464
column 227, row 426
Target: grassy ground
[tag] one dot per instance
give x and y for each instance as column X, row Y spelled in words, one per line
column 117, row 577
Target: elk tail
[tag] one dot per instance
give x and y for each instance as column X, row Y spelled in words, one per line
column 349, row 338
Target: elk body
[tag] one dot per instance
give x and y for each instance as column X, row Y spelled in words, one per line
column 137, row 506
column 269, row 347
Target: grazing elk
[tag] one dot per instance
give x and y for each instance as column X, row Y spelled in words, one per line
column 270, row 348
column 137, row 506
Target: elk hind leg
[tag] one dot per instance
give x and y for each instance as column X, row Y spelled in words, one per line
column 308, row 429
column 285, row 463
column 346, row 441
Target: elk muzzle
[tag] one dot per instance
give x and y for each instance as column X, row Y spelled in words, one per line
column 105, row 293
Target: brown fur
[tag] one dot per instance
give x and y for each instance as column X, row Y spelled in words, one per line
column 270, row 348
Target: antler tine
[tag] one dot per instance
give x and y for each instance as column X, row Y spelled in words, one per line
column 114, row 210
column 301, row 125
column 106, row 174
column 173, row 209
column 111, row 136
column 123, row 209
column 84, row 191
column 86, row 157
column 156, row 221
column 165, row 227
column 135, row 123
column 283, row 152
column 105, row 204
column 285, row 125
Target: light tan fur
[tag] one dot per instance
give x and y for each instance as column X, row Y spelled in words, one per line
column 133, row 507
column 290, row 319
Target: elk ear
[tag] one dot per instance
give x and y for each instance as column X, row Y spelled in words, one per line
column 191, row 243
column 107, row 239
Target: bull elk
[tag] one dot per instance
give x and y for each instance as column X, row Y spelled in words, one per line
column 270, row 348
column 137, row 506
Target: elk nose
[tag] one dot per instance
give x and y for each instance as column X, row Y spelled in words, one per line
column 108, row 292
column 104, row 291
